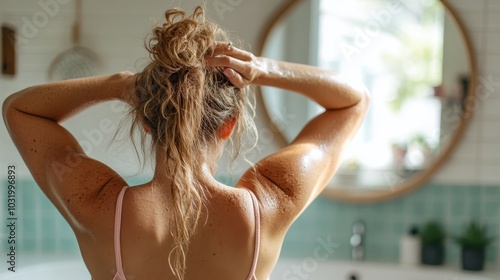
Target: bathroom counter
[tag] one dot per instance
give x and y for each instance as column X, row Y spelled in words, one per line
column 347, row 270
column 55, row 267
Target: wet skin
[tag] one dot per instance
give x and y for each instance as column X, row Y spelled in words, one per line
column 85, row 190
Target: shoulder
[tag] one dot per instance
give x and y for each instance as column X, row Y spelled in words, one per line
column 231, row 203
column 92, row 212
column 280, row 188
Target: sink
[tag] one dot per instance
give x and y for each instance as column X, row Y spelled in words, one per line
column 309, row 268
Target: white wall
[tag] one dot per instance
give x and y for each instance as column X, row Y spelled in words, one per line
column 115, row 31
column 477, row 159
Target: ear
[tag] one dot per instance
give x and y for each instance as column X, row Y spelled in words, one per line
column 227, row 128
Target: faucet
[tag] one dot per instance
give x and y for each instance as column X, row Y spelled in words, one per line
column 358, row 241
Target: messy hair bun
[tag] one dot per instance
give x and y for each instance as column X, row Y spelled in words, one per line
column 183, row 101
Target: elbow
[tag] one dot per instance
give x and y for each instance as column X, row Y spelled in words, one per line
column 364, row 100
column 14, row 101
column 7, row 110
column 10, row 105
column 360, row 101
column 7, row 107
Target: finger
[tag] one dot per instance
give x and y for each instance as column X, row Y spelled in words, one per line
column 229, row 62
column 235, row 78
column 223, row 48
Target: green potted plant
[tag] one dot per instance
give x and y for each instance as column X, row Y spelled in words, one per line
column 432, row 238
column 473, row 241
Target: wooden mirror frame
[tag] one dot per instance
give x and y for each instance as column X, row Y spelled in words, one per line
column 414, row 181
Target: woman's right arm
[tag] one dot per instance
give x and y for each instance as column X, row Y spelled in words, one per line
column 321, row 86
column 292, row 177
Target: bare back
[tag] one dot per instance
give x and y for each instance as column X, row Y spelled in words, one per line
column 222, row 246
column 85, row 190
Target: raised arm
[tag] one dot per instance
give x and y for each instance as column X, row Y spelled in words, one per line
column 321, row 86
column 292, row 177
column 55, row 159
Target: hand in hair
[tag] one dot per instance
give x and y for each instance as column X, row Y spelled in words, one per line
column 242, row 68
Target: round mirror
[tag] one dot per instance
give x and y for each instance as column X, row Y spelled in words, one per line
column 417, row 62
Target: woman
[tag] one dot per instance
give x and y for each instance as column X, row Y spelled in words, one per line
column 183, row 224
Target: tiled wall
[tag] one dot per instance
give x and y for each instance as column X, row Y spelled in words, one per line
column 477, row 159
column 386, row 222
column 118, row 41
column 467, row 187
column 42, row 230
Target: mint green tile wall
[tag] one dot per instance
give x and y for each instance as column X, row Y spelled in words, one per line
column 40, row 227
column 43, row 230
column 386, row 222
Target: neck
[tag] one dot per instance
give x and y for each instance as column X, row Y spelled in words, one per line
column 204, row 172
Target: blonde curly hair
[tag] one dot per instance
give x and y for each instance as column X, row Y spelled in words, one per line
column 184, row 102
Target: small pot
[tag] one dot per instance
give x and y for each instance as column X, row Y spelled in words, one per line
column 432, row 254
column 473, row 259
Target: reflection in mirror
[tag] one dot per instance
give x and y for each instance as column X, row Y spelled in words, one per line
column 412, row 57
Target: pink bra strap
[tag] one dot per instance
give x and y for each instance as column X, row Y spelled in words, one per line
column 257, row 236
column 118, row 223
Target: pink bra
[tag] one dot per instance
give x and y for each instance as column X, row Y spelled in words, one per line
column 118, row 216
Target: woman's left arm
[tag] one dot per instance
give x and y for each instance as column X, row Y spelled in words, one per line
column 63, row 171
